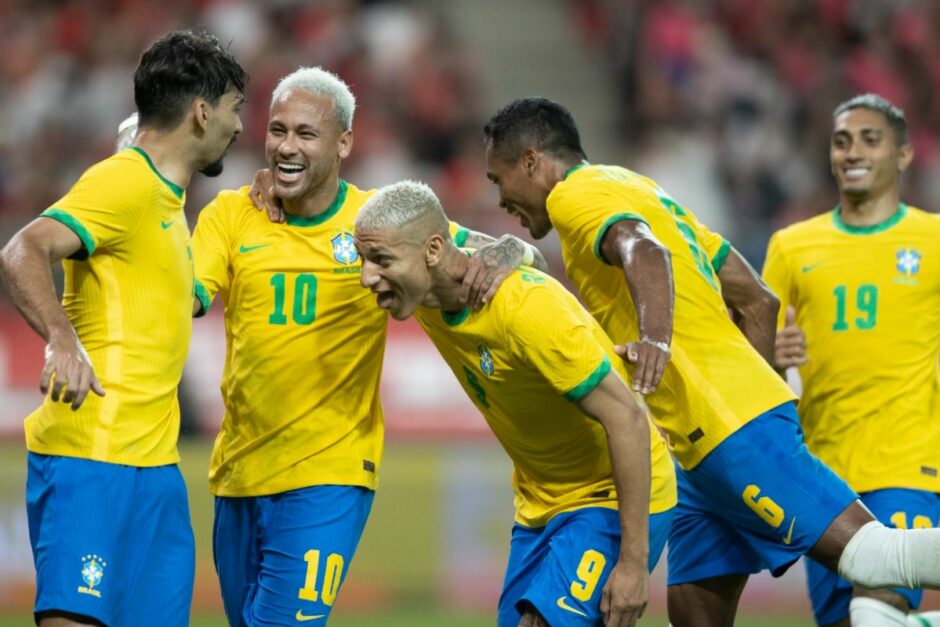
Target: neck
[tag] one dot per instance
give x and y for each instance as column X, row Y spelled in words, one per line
column 446, row 279
column 171, row 154
column 316, row 201
column 560, row 167
column 868, row 211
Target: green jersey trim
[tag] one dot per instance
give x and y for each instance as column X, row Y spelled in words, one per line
column 585, row 387
column 460, row 238
column 176, row 189
column 455, row 318
column 609, row 222
column 323, row 216
column 202, row 295
column 88, row 242
column 868, row 230
column 719, row 259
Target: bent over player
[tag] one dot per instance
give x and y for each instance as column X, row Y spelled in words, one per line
column 539, row 368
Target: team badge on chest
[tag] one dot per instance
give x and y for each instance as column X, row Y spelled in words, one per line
column 908, row 262
column 344, row 248
column 486, row 360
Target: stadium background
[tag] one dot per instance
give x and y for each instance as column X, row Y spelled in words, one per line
column 726, row 103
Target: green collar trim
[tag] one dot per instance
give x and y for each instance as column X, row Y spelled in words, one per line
column 323, row 216
column 176, row 189
column 575, row 169
column 868, row 230
column 453, row 319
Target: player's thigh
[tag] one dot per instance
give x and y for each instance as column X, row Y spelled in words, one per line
column 660, row 525
column 81, row 518
column 235, row 550
column 566, row 586
column 308, row 539
column 703, row 544
column 163, row 590
column 764, row 482
column 526, row 550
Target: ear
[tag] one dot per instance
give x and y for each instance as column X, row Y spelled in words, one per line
column 435, row 250
column 530, row 161
column 905, row 156
column 345, row 143
column 201, row 111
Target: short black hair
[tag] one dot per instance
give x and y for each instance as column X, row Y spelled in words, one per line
column 539, row 123
column 178, row 67
column 874, row 102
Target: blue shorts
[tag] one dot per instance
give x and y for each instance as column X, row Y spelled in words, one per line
column 282, row 558
column 573, row 552
column 110, row 542
column 758, row 501
column 900, row 508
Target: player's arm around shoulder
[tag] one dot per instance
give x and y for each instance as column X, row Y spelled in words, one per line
column 612, row 404
column 629, row 244
column 753, row 305
column 26, row 267
column 493, row 261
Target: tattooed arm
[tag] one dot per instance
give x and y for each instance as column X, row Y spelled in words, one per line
column 530, row 256
column 494, row 260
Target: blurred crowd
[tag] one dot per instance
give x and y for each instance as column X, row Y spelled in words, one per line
column 66, row 71
column 749, row 86
column 727, row 102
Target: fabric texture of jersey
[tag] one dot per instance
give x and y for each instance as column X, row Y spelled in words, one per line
column 110, row 541
column 128, row 293
column 304, row 347
column 561, row 568
column 758, row 501
column 516, row 358
column 282, row 559
column 868, row 301
column 897, row 508
column 715, row 381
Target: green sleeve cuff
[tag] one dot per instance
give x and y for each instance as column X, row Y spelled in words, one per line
column 585, row 387
column 719, row 259
column 88, row 242
column 202, row 295
column 460, row 238
column 609, row 222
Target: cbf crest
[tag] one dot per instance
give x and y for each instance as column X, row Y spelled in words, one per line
column 486, row 360
column 908, row 262
column 344, row 248
column 92, row 572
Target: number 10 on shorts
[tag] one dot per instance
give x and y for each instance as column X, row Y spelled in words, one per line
column 332, row 575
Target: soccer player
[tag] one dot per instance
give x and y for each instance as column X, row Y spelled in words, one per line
column 539, row 369
column 295, row 465
column 861, row 285
column 751, row 496
column 107, row 506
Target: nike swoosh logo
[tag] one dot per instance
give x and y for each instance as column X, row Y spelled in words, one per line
column 303, row 618
column 247, row 249
column 787, row 538
column 166, row 225
column 561, row 603
column 811, row 266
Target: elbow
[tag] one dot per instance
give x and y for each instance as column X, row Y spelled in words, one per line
column 769, row 303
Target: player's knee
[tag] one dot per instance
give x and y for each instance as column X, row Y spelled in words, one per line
column 881, row 557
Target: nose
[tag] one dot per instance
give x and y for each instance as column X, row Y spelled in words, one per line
column 368, row 278
column 238, row 125
column 287, row 146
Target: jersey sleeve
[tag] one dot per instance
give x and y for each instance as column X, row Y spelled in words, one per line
column 776, row 275
column 546, row 332
column 105, row 206
column 715, row 246
column 212, row 251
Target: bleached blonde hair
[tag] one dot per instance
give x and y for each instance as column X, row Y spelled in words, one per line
column 316, row 80
column 406, row 205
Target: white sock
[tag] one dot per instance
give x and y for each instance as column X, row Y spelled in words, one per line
column 923, row 619
column 879, row 557
column 866, row 612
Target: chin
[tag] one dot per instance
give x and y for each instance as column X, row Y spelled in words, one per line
column 214, row 169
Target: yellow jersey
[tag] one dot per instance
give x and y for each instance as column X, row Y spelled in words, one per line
column 128, row 293
column 523, row 359
column 715, row 382
column 868, row 301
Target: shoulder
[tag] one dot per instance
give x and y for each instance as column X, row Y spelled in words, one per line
column 231, row 201
column 923, row 219
column 354, row 196
column 798, row 231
